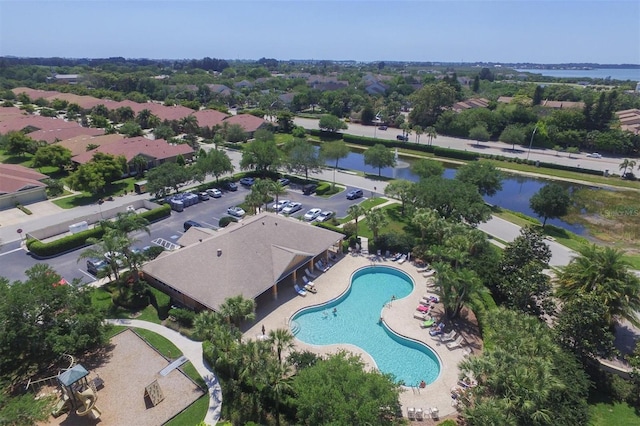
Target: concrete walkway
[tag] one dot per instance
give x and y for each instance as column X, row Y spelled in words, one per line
column 192, row 351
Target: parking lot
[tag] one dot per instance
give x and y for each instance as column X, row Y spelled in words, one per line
column 167, row 231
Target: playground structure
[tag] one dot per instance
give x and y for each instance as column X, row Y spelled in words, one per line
column 78, row 393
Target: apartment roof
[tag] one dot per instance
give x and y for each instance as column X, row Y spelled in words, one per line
column 245, row 258
column 470, row 103
column 170, row 113
column 10, row 112
column 17, row 123
column 209, row 117
column 562, row 104
column 78, row 144
column 52, row 135
column 130, row 147
column 84, row 102
column 250, row 123
column 220, row 89
column 14, row 178
column 34, row 93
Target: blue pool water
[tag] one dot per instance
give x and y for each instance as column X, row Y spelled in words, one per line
column 356, row 322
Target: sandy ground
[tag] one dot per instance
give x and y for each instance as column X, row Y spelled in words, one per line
column 127, row 367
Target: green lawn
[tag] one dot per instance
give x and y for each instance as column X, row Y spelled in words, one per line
column 116, row 188
column 193, row 415
column 605, row 412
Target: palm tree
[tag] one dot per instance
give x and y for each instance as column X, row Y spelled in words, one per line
column 205, row 323
column 456, row 287
column 278, row 383
column 419, row 132
column 189, row 124
column 627, row 164
column 112, row 241
column 281, row 339
column 603, row 271
column 431, row 134
column 355, row 211
column 276, row 190
column 139, row 163
column 237, row 309
column 376, row 220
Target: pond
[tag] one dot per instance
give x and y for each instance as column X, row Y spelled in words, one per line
column 515, row 194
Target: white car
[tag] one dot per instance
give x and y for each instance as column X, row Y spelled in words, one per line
column 292, row 208
column 236, row 211
column 110, row 256
column 312, row 214
column 214, row 192
column 281, row 204
column 325, row 215
column 594, row 155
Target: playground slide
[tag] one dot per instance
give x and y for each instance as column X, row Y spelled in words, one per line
column 88, row 400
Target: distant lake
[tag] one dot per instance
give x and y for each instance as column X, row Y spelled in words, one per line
column 515, row 194
column 623, row 74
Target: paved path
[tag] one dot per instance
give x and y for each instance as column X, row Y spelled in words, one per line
column 193, row 351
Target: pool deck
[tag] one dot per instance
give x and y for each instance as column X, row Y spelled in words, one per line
column 398, row 315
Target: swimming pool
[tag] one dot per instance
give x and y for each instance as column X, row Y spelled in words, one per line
column 356, row 321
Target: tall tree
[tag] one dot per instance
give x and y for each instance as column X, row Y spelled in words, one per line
column 261, row 155
column 376, row 220
column 627, row 164
column 331, row 123
column 425, row 168
column 215, row 163
column 431, row 134
column 237, row 309
column 52, row 155
column 335, row 150
column 429, row 102
column 456, row 287
column 604, row 272
column 402, row 190
column 379, row 156
column 453, row 200
column 483, row 175
column 551, row 201
column 355, row 211
column 166, row 175
column 302, row 157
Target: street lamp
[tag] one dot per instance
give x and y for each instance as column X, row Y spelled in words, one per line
column 531, row 143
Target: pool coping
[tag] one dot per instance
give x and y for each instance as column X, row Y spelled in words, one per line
column 398, row 317
column 382, row 321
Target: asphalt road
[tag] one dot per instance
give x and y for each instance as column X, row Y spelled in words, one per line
column 496, row 148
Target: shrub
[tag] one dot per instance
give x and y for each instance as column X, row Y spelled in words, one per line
column 323, row 188
column 161, row 301
column 153, row 252
column 349, row 229
column 135, row 297
column 226, row 220
column 184, row 317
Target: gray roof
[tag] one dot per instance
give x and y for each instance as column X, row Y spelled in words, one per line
column 254, row 254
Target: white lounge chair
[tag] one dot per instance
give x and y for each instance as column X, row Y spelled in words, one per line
column 419, row 414
column 448, row 337
column 402, row 259
column 429, row 273
column 411, row 413
column 300, row 291
column 456, row 343
column 307, row 281
column 310, row 274
column 434, row 412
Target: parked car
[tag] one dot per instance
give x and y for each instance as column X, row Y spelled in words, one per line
column 354, row 194
column 94, row 266
column 230, row 186
column 214, row 192
column 281, row 204
column 312, row 214
column 114, row 256
column 324, row 216
column 309, row 188
column 594, row 155
column 236, row 211
column 189, row 223
column 284, row 181
column 292, row 208
column 203, row 196
column 247, row 181
column 383, row 127
column 402, row 138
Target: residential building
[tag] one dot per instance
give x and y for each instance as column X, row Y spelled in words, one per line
column 20, row 185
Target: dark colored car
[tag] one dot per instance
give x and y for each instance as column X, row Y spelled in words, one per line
column 309, row 188
column 382, row 127
column 230, row 186
column 247, row 181
column 96, row 265
column 402, row 138
column 188, row 224
column 356, row 193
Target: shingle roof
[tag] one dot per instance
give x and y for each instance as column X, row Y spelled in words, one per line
column 14, row 178
column 17, row 123
column 209, row 117
column 250, row 123
column 255, row 254
column 130, row 147
column 79, row 144
column 52, row 135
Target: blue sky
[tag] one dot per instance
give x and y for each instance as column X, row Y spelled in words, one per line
column 539, row 31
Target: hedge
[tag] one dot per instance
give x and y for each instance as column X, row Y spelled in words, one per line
column 323, row 188
column 75, row 241
column 330, row 227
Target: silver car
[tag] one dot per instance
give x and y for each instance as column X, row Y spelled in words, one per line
column 292, row 208
column 236, row 211
column 312, row 214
